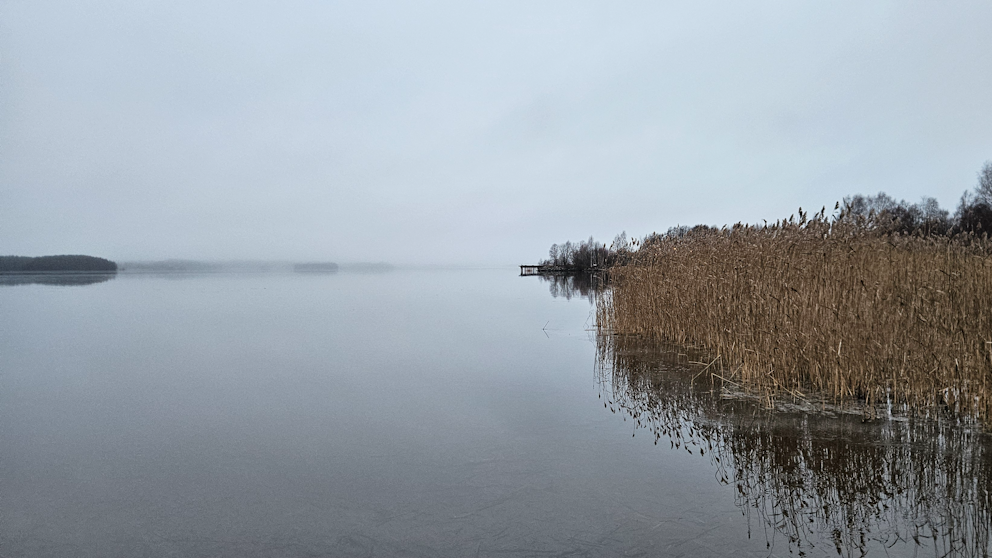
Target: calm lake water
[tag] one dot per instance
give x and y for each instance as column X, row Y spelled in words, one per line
column 427, row 413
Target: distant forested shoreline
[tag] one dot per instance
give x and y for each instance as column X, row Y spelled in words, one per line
column 315, row 267
column 56, row 264
column 878, row 215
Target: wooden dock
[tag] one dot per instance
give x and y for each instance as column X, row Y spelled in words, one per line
column 526, row 270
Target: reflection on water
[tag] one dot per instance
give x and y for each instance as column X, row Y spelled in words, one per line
column 896, row 485
column 584, row 285
column 62, row 279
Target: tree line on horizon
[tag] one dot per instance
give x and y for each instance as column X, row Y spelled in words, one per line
column 585, row 255
column 878, row 214
column 51, row 264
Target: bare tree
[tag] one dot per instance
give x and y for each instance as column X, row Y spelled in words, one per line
column 974, row 212
column 984, row 188
column 865, row 206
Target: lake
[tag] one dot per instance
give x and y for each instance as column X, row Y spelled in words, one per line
column 429, row 413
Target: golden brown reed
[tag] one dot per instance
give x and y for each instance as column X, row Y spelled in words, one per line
column 822, row 305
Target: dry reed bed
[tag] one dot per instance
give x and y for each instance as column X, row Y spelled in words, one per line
column 824, row 306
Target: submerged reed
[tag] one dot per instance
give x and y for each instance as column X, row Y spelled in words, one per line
column 824, row 305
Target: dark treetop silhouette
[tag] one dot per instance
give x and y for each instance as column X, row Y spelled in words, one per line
column 56, row 264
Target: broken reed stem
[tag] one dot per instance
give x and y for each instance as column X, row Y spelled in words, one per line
column 821, row 307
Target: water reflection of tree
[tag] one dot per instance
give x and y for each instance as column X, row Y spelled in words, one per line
column 569, row 286
column 902, row 483
column 61, row 279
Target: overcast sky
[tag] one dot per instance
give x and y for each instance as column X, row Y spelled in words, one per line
column 469, row 132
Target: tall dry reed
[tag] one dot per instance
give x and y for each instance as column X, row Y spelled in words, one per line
column 822, row 306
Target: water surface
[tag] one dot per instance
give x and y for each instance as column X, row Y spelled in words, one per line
column 410, row 413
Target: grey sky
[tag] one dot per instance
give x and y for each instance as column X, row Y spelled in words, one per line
column 469, row 132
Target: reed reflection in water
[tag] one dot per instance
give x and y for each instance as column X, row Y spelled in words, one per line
column 900, row 485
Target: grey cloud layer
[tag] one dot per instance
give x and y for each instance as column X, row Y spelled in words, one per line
column 466, row 132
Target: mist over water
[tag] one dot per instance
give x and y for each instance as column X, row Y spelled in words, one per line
column 436, row 413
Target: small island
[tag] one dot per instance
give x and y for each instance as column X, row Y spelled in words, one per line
column 316, row 267
column 56, row 264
